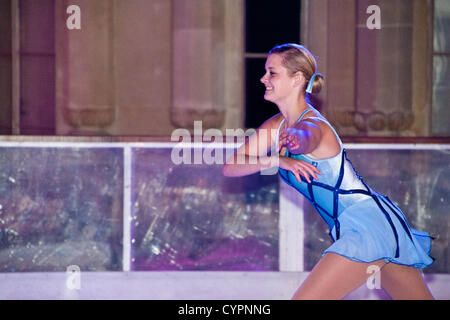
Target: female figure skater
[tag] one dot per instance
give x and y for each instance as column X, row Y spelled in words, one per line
column 366, row 227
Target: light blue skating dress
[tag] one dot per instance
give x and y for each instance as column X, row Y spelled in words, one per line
column 365, row 226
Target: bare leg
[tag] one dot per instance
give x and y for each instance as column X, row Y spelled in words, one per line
column 334, row 277
column 404, row 283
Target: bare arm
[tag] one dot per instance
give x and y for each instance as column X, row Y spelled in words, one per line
column 252, row 156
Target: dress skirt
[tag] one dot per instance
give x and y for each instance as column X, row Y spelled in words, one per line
column 368, row 233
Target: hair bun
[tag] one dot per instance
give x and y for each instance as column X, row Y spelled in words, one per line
column 317, row 84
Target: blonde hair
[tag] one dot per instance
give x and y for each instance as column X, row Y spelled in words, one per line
column 297, row 58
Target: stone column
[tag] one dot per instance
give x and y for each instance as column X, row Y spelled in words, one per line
column 329, row 33
column 341, row 71
column 85, row 69
column 421, row 69
column 314, row 32
column 376, row 80
column 384, row 64
column 198, row 63
column 234, row 65
column 6, row 67
column 142, row 67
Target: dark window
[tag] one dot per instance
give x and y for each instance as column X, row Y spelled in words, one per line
column 268, row 23
column 257, row 109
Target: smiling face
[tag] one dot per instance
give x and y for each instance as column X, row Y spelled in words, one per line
column 280, row 85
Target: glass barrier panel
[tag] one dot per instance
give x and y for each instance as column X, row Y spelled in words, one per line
column 61, row 207
column 191, row 217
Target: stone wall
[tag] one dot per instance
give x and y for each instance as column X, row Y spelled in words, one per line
column 147, row 67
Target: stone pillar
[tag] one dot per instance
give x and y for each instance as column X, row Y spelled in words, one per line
column 341, row 73
column 143, row 67
column 421, row 66
column 384, row 64
column 376, row 80
column 36, row 94
column 6, row 67
column 234, row 103
column 329, row 33
column 314, row 32
column 85, row 69
column 198, row 63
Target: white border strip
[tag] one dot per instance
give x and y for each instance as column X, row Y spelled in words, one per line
column 154, row 145
column 126, row 254
column 397, row 146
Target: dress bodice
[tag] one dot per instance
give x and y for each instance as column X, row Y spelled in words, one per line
column 338, row 188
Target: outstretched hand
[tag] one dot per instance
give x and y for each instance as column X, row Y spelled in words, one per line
column 290, row 139
column 299, row 167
